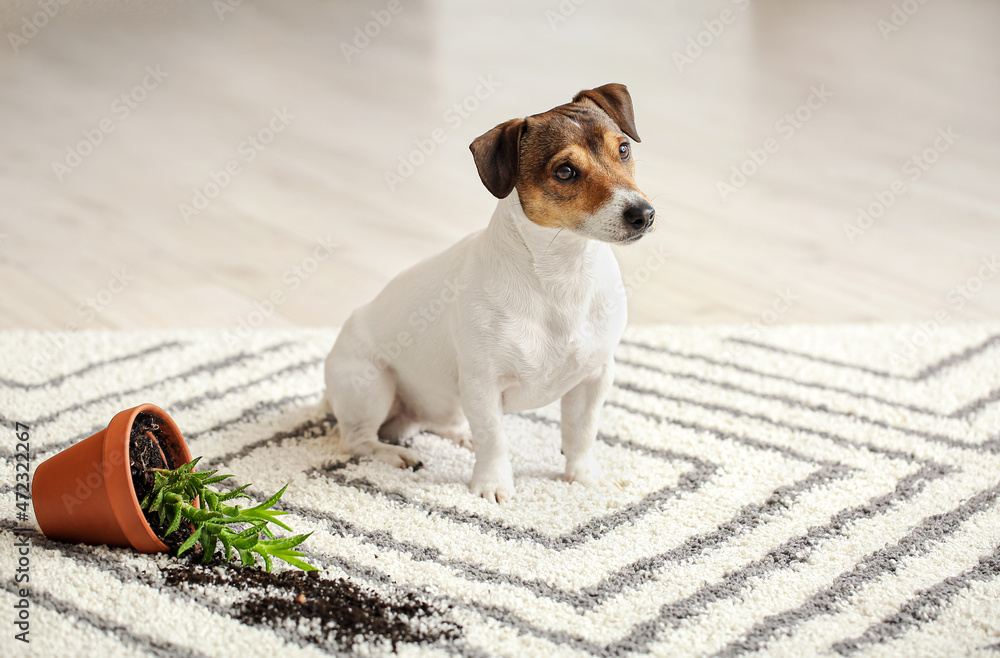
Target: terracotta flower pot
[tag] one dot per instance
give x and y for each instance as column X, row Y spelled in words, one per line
column 84, row 494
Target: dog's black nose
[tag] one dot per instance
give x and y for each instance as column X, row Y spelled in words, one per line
column 640, row 215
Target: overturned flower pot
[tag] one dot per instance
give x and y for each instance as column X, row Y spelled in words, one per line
column 134, row 485
column 87, row 493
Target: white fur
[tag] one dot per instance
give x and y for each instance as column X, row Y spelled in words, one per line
column 511, row 318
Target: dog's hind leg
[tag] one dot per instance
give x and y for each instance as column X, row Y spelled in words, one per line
column 460, row 434
column 362, row 404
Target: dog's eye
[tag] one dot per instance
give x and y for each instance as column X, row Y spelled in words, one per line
column 565, row 172
column 624, row 151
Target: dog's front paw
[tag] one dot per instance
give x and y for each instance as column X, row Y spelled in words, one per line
column 495, row 483
column 587, row 472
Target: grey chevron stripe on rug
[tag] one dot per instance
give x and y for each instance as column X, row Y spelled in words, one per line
column 802, row 491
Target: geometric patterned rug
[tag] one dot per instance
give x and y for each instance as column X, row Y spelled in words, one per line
column 791, row 491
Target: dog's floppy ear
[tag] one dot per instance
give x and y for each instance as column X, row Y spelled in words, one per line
column 496, row 154
column 614, row 100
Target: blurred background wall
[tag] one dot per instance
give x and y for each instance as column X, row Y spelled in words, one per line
column 275, row 163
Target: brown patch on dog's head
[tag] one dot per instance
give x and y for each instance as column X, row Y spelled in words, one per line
column 568, row 163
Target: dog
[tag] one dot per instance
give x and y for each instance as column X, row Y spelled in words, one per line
column 527, row 311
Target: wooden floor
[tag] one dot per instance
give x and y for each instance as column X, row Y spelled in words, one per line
column 836, row 96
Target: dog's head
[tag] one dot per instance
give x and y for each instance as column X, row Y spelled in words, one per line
column 572, row 166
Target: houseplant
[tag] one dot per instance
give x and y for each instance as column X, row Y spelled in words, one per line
column 133, row 484
column 173, row 496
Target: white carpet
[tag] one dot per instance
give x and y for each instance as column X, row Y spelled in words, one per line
column 800, row 492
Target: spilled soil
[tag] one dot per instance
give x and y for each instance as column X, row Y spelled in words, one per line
column 333, row 614
column 321, row 610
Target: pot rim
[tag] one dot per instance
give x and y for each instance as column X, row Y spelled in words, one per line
column 118, row 475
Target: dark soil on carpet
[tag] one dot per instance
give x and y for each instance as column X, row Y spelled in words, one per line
column 327, row 613
column 322, row 609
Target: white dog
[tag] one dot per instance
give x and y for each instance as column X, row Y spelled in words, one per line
column 525, row 312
